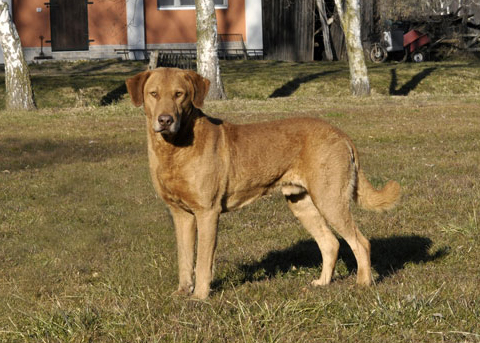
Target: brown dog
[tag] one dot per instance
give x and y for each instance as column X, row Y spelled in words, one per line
column 202, row 167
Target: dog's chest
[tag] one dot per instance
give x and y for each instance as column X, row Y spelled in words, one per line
column 174, row 181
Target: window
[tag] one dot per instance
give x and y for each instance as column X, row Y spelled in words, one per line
column 186, row 4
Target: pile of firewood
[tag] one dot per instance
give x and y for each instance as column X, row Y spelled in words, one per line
column 449, row 34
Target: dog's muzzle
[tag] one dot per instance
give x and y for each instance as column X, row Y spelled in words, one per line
column 164, row 124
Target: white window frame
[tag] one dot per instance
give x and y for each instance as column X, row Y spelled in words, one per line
column 177, row 6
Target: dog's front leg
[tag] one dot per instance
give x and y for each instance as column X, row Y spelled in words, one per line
column 207, row 223
column 185, row 229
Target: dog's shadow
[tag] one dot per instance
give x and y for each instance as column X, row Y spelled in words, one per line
column 388, row 255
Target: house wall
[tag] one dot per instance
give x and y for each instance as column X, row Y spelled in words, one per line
column 107, row 28
column 107, row 22
column 137, row 24
column 32, row 19
column 179, row 26
column 30, row 23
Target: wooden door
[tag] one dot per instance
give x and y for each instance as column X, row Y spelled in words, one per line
column 288, row 29
column 69, row 25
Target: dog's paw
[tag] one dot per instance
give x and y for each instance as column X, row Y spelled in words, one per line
column 364, row 282
column 364, row 278
column 183, row 292
column 199, row 294
column 320, row 282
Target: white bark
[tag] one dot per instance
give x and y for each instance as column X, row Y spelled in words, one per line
column 207, row 47
column 153, row 61
column 19, row 94
column 350, row 20
column 325, row 29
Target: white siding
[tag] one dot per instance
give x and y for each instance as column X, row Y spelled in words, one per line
column 135, row 26
column 253, row 18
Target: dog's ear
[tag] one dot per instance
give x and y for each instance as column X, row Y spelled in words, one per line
column 200, row 88
column 135, row 87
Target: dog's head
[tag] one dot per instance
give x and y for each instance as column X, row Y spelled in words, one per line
column 168, row 96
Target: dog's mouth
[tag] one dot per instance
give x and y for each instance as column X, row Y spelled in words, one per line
column 166, row 133
column 162, row 130
column 166, row 130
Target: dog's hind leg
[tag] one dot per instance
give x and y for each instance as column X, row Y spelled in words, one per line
column 336, row 211
column 304, row 209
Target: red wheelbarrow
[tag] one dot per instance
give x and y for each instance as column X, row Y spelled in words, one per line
column 415, row 46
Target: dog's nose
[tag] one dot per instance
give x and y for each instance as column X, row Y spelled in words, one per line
column 165, row 120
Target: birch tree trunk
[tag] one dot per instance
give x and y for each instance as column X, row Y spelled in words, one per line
column 349, row 13
column 19, row 94
column 153, row 60
column 207, row 48
column 326, row 31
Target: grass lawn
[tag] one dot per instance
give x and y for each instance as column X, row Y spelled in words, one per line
column 87, row 250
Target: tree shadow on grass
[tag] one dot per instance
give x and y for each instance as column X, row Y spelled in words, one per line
column 114, row 95
column 291, row 86
column 87, row 67
column 410, row 85
column 388, row 255
column 22, row 153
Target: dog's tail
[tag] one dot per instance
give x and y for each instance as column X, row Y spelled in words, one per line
column 372, row 199
column 366, row 196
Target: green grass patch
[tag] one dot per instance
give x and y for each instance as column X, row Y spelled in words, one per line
column 87, row 250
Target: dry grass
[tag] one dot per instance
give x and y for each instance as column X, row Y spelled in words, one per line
column 87, row 251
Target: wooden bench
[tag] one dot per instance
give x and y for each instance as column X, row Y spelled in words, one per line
column 126, row 53
column 230, row 46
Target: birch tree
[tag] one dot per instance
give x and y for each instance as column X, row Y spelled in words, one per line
column 349, row 13
column 207, row 47
column 19, row 94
